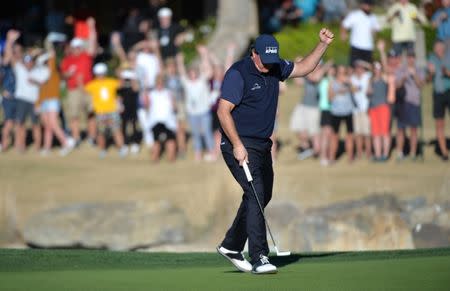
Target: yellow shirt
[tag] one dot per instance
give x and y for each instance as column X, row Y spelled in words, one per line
column 104, row 94
column 404, row 26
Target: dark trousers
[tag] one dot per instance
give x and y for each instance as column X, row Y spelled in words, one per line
column 359, row 54
column 249, row 222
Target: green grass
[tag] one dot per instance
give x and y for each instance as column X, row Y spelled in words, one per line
column 105, row 270
column 300, row 40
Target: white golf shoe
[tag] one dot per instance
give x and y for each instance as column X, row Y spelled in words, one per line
column 236, row 258
column 263, row 266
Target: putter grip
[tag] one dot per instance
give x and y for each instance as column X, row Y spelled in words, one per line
column 247, row 172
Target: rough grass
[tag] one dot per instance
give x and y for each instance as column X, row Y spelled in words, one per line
column 103, row 270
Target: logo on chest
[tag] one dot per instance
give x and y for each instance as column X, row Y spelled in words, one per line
column 256, row 86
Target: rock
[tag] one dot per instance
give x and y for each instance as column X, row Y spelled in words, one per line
column 423, row 215
column 282, row 213
column 114, row 226
column 442, row 214
column 431, row 236
column 417, row 211
column 372, row 223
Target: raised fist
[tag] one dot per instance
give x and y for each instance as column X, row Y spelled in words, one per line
column 326, row 36
column 13, row 35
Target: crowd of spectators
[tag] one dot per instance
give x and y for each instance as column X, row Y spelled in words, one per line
column 136, row 89
column 70, row 89
column 376, row 98
column 276, row 14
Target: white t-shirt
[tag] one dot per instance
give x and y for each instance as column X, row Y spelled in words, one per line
column 197, row 95
column 150, row 66
column 162, row 108
column 26, row 90
column 362, row 27
column 362, row 83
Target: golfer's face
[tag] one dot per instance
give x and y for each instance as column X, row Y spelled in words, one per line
column 263, row 68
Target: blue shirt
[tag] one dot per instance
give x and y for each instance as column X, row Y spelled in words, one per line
column 440, row 82
column 8, row 80
column 443, row 30
column 255, row 95
column 308, row 7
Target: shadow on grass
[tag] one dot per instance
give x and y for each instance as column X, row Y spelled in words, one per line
column 281, row 262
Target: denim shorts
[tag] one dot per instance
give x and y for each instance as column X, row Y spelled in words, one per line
column 24, row 111
column 50, row 105
column 9, row 108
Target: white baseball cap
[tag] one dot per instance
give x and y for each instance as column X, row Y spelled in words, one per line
column 165, row 12
column 100, row 69
column 77, row 42
column 128, row 74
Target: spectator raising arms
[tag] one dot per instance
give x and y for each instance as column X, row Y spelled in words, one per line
column 198, row 103
column 76, row 68
column 305, row 119
column 439, row 73
column 50, row 105
column 29, row 79
column 410, row 110
column 218, row 73
column 363, row 25
column 8, row 87
column 148, row 61
column 381, row 92
column 361, row 124
column 339, row 92
column 403, row 16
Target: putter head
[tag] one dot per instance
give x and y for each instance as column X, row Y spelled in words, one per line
column 282, row 254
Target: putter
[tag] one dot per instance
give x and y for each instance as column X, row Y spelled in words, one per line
column 250, row 180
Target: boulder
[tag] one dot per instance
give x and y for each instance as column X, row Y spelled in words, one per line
column 113, row 225
column 430, row 235
column 372, row 223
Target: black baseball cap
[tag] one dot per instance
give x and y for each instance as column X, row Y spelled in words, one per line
column 393, row 53
column 267, row 48
column 369, row 2
column 410, row 53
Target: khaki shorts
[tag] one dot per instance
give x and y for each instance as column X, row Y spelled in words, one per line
column 361, row 123
column 181, row 112
column 305, row 119
column 78, row 102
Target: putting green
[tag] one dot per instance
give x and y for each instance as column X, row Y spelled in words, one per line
column 427, row 269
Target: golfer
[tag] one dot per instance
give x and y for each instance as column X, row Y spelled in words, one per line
column 246, row 112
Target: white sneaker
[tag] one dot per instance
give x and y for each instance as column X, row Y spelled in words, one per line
column 303, row 155
column 236, row 258
column 263, row 266
column 134, row 148
column 209, row 158
column 102, row 154
column 44, row 153
column 123, row 151
column 70, row 145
